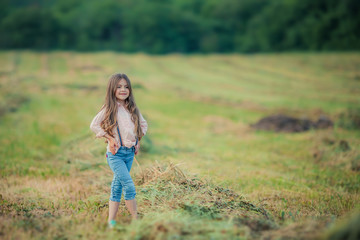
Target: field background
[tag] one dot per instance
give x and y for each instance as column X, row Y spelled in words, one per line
column 55, row 182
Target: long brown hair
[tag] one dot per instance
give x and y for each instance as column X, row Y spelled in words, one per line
column 110, row 106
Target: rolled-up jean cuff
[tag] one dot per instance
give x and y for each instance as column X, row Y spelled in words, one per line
column 129, row 198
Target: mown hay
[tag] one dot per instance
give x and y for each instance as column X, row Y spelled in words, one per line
column 169, row 186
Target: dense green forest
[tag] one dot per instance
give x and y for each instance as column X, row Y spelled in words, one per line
column 185, row 26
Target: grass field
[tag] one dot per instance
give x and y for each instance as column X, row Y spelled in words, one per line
column 204, row 172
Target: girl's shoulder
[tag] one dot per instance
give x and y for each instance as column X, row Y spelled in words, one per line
column 103, row 108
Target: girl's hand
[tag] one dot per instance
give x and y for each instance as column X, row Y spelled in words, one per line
column 113, row 145
column 137, row 147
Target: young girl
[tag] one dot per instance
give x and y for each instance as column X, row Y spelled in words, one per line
column 121, row 123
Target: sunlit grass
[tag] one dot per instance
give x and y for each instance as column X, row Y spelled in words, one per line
column 199, row 108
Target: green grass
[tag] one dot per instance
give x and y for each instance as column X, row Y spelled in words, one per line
column 55, row 181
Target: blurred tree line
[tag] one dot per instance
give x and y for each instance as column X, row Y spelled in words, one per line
column 162, row 26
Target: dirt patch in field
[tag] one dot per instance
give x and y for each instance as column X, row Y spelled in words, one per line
column 283, row 123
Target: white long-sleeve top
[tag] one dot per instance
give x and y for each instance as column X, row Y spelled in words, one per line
column 126, row 127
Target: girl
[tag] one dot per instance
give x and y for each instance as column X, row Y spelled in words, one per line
column 121, row 123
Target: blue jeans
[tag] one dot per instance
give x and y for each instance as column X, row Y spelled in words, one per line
column 120, row 164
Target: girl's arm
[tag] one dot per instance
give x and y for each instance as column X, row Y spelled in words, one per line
column 97, row 129
column 95, row 124
column 108, row 137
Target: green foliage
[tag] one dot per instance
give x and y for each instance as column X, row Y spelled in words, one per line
column 181, row 26
column 29, row 28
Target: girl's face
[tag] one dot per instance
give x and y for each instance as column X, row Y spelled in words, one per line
column 122, row 91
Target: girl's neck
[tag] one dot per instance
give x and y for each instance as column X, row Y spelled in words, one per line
column 121, row 102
